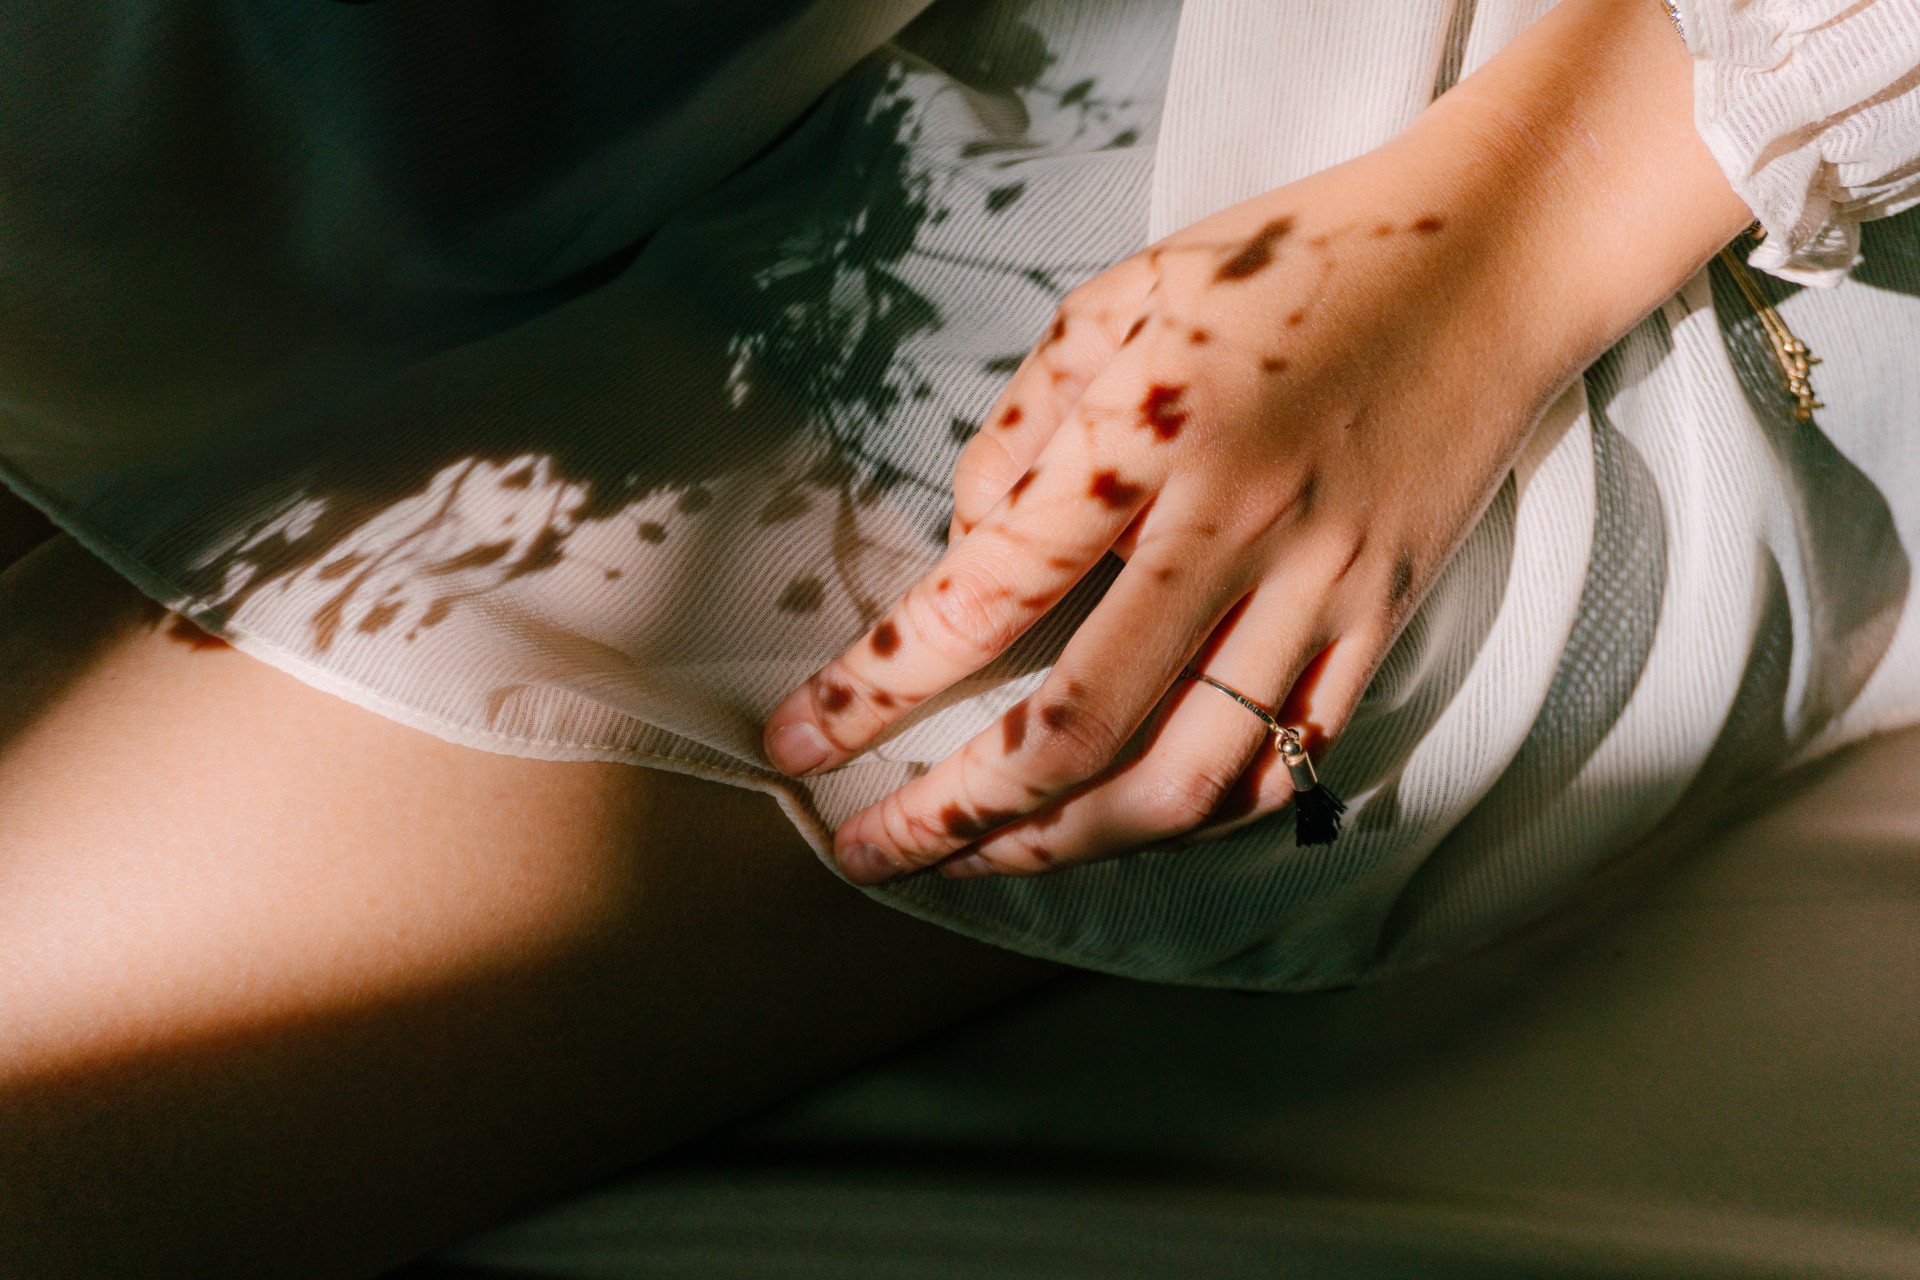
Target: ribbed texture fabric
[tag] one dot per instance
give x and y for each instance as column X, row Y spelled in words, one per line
column 1812, row 108
column 1370, row 65
column 541, row 482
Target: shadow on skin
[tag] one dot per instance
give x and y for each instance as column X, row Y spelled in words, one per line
column 292, row 990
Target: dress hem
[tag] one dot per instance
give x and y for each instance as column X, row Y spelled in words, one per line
column 156, row 588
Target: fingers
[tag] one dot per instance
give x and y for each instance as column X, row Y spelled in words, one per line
column 1193, row 765
column 987, row 591
column 1319, row 705
column 1105, row 684
column 1079, row 341
column 1184, row 789
column 1208, row 766
column 1194, row 761
column 1042, row 537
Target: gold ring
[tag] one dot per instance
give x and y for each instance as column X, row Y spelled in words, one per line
column 1280, row 732
column 1317, row 809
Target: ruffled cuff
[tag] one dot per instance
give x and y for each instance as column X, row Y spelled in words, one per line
column 1812, row 108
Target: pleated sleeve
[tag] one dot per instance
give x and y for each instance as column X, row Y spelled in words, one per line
column 1812, row 107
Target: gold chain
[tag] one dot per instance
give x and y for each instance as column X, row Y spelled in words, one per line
column 1795, row 360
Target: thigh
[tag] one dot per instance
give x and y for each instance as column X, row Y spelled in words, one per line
column 1707, row 1064
column 290, row 989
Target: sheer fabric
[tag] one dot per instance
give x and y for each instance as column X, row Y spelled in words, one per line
column 564, row 420
column 1812, row 108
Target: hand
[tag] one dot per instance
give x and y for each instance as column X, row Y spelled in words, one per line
column 1285, row 417
column 1247, row 412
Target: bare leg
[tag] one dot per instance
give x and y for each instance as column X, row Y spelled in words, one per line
column 289, row 989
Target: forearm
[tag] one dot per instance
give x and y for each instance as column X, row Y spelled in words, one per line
column 1578, row 192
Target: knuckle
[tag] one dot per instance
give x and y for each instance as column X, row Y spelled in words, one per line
column 1108, row 409
column 1087, row 296
column 850, row 709
column 1074, row 742
column 1184, row 798
column 987, row 456
column 985, row 472
column 1283, row 499
column 1349, row 546
column 964, row 617
column 915, row 831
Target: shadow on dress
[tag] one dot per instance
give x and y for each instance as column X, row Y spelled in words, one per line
column 777, row 330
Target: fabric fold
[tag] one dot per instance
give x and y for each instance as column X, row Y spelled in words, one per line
column 620, row 519
column 1812, row 109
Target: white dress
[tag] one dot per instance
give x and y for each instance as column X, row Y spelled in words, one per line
column 573, row 386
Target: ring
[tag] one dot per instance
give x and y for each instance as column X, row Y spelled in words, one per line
column 1317, row 810
column 1279, row 731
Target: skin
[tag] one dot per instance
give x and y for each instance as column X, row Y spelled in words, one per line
column 288, row 989
column 1285, row 417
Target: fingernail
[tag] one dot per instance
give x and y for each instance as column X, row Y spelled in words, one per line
column 864, row 864
column 971, row 867
column 798, row 747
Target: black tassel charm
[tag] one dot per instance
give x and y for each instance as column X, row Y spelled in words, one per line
column 1316, row 810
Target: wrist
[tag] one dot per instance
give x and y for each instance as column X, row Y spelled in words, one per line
column 1577, row 192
